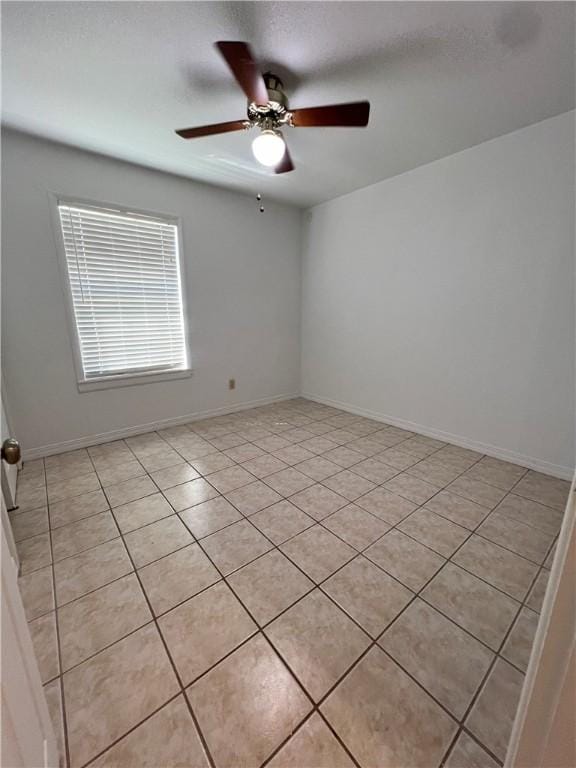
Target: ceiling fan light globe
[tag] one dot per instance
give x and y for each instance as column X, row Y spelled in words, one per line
column 269, row 148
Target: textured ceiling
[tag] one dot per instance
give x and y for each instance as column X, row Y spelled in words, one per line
column 119, row 77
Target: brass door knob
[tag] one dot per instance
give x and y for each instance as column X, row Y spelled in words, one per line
column 11, row 451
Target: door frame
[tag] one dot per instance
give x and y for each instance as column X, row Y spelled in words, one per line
column 542, row 735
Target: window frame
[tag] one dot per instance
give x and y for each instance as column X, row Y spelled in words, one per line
column 117, row 380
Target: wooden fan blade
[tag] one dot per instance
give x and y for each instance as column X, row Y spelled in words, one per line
column 239, row 58
column 209, row 130
column 353, row 115
column 285, row 165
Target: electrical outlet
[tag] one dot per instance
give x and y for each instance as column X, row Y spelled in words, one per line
column 231, row 383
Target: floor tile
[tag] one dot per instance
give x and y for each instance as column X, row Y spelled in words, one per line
column 76, row 508
column 366, row 446
column 446, row 661
column 78, row 575
column 243, row 453
column 471, row 603
column 214, row 462
column 458, row 509
column 407, row 729
column 265, row 465
column 118, row 472
column 318, row 468
column 234, row 546
column 477, row 491
column 273, row 443
column 37, row 592
column 318, row 642
column 520, row 538
column 318, row 501
column 269, row 585
column 370, row 596
column 64, row 489
column 404, row 558
column 313, row 746
column 434, row 472
column 492, row 715
column 500, row 567
column 355, row 526
column 318, row 444
column 114, row 690
column 210, row 516
column 199, row 450
column 466, row 753
column 204, row 629
column 45, row 642
column 254, row 687
column 518, row 645
column 152, row 462
column 176, row 475
column 293, row 454
column 349, row 484
column 340, row 436
column 226, row 480
column 156, row 540
column 99, row 619
column 253, row 497
column 386, row 505
column 288, row 481
column 281, row 521
column 141, row 512
column 459, row 458
column 227, row 441
column 374, row 470
column 176, row 577
column 318, row 552
column 435, row 532
column 502, row 474
column 168, row 738
column 531, row 513
column 188, row 494
column 297, row 435
column 343, row 456
column 411, row 488
column 536, row 596
column 31, row 498
column 84, row 534
column 397, row 458
column 116, row 452
column 547, row 490
column 421, row 446
column 27, row 524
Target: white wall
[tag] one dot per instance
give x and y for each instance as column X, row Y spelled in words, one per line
column 444, row 297
column 242, row 280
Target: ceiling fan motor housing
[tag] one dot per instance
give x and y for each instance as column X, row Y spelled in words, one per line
column 275, row 113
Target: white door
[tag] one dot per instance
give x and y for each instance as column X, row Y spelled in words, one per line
column 28, row 739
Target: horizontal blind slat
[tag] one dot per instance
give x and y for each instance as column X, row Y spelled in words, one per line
column 125, row 284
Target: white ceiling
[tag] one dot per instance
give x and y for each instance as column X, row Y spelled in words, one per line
column 119, row 77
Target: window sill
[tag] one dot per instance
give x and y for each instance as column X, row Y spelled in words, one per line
column 131, row 380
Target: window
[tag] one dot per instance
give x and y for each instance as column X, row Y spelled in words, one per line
column 125, row 284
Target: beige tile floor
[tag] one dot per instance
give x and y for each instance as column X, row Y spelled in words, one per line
column 287, row 586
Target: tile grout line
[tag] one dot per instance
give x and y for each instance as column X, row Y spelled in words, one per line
column 246, row 517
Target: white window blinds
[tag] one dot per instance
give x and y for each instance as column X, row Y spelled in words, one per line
column 124, row 276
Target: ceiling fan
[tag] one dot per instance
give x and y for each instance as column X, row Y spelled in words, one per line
column 268, row 110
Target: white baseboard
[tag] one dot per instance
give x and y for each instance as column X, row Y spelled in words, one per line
column 117, row 434
column 557, row 470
